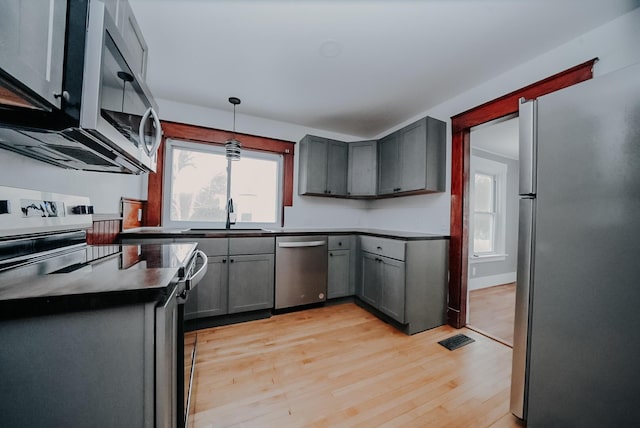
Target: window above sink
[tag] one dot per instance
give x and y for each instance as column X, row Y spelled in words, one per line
column 196, row 179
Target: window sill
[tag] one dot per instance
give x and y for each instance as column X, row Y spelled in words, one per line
column 488, row 258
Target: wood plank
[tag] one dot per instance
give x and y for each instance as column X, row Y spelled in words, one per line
column 492, row 311
column 341, row 366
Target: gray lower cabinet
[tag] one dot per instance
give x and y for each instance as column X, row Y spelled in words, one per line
column 209, row 297
column 371, row 286
column 339, row 275
column 383, row 285
column 251, row 282
column 101, row 367
column 239, row 278
column 392, row 297
column 406, row 280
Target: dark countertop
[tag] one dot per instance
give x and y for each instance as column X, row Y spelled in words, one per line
column 135, row 274
column 163, row 232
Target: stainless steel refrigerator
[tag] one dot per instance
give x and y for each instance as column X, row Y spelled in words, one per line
column 576, row 351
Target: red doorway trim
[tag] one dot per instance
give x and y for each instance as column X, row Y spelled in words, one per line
column 461, row 125
column 204, row 135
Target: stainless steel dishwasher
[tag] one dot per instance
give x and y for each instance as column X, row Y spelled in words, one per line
column 301, row 270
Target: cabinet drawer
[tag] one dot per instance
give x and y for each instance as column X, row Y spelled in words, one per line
column 391, row 248
column 340, row 242
column 252, row 245
column 210, row 246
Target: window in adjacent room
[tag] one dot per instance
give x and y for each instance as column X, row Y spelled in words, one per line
column 488, row 207
column 196, row 181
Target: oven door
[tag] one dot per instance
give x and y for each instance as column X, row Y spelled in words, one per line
column 167, row 342
column 116, row 103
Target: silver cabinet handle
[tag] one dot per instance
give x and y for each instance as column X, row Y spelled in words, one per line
column 301, row 244
column 194, row 279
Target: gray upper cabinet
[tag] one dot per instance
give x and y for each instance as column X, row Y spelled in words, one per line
column 362, row 168
column 337, row 168
column 122, row 14
column 389, row 164
column 32, row 48
column 408, row 161
column 323, row 167
column 413, row 158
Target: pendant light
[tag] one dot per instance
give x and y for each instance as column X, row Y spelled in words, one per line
column 232, row 146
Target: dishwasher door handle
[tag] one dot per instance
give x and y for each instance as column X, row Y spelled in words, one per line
column 301, row 244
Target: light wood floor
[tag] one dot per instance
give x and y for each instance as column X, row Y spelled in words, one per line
column 492, row 311
column 339, row 366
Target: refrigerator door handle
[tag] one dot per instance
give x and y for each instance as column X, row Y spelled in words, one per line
column 524, row 281
column 528, row 145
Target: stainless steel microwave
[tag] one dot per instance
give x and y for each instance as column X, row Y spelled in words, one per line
column 108, row 120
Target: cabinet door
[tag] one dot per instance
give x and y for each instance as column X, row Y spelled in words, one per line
column 393, row 288
column 388, row 164
column 313, row 165
column 32, row 48
column 337, row 159
column 362, row 168
column 251, row 282
column 209, row 298
column 339, row 273
column 370, row 287
column 132, row 36
column 413, row 157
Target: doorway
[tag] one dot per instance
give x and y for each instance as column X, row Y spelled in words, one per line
column 461, row 125
column 493, row 228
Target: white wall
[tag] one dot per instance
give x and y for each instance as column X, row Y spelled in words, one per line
column 307, row 211
column 104, row 189
column 616, row 44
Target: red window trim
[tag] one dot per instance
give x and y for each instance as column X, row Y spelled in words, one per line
column 203, row 135
column 461, row 125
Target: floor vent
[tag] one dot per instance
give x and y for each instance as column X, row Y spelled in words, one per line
column 455, row 342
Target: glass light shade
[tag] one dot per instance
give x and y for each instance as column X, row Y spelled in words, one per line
column 232, row 148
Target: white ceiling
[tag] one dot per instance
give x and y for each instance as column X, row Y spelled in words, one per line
column 498, row 137
column 353, row 66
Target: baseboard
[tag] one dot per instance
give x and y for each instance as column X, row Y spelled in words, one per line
column 491, row 280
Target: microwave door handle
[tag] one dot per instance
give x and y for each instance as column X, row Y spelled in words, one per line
column 158, row 139
column 156, row 143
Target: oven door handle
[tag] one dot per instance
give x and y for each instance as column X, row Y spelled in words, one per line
column 194, row 279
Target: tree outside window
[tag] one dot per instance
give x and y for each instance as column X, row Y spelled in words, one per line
column 196, row 186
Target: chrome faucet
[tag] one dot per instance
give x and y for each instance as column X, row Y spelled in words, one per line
column 231, row 216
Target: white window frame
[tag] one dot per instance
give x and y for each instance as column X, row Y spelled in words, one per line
column 498, row 170
column 209, row 148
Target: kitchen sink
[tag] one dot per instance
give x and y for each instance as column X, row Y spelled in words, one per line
column 223, row 230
